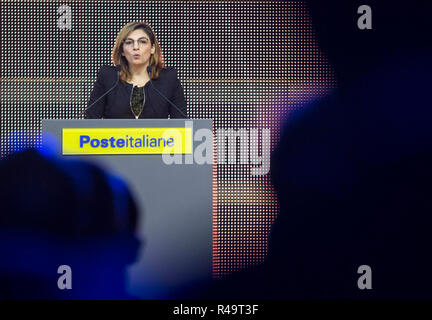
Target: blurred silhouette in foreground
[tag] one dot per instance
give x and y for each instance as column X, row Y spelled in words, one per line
column 63, row 212
column 353, row 171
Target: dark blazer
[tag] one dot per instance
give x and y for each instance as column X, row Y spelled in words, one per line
column 116, row 104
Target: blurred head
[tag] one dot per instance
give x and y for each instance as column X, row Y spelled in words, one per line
column 352, row 173
column 56, row 212
column 136, row 44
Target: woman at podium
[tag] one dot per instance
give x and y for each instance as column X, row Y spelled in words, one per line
column 138, row 85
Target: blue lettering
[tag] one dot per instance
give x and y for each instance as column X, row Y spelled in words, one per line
column 112, row 139
column 138, row 143
column 94, row 143
column 84, row 139
column 170, row 142
column 104, row 143
column 120, row 143
column 153, row 142
column 159, row 142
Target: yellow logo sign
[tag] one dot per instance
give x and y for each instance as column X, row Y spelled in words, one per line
column 127, row 141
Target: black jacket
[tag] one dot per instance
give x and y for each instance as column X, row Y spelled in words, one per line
column 116, row 104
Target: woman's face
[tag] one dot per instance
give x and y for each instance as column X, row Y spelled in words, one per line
column 137, row 48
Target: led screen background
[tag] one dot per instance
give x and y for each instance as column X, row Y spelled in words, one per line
column 244, row 64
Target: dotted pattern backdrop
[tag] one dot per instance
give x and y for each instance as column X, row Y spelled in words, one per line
column 244, row 64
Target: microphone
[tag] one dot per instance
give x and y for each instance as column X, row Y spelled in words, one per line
column 162, row 95
column 116, row 83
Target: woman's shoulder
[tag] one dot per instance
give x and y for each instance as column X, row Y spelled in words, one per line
column 107, row 69
column 169, row 71
column 110, row 67
column 107, row 74
column 168, row 74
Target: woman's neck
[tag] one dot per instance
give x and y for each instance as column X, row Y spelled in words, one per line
column 139, row 71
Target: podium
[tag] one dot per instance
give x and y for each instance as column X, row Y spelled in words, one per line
column 174, row 197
